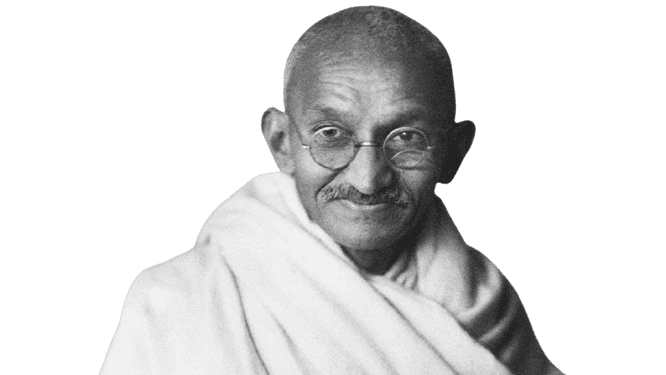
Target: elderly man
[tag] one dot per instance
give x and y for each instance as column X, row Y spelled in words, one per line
column 345, row 262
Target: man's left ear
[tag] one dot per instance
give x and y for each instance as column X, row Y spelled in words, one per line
column 275, row 126
column 458, row 142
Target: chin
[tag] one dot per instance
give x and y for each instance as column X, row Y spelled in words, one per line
column 364, row 237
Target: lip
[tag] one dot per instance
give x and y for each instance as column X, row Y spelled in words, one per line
column 365, row 208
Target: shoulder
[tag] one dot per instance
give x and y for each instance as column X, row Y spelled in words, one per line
column 178, row 283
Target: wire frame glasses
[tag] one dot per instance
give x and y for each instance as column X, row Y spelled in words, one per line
column 334, row 148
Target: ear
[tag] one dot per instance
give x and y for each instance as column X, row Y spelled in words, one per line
column 458, row 142
column 275, row 126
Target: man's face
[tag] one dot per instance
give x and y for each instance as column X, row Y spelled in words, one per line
column 368, row 97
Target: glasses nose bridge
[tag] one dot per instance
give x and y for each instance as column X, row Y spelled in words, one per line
column 368, row 144
column 371, row 144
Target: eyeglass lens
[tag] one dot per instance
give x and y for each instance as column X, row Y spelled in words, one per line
column 334, row 148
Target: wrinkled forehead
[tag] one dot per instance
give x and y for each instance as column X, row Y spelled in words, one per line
column 371, row 67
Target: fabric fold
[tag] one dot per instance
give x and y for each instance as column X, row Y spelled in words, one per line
column 266, row 291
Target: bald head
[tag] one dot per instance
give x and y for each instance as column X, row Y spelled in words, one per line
column 371, row 34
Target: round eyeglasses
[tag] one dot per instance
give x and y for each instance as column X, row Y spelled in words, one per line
column 334, row 148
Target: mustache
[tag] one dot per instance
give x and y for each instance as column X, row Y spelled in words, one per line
column 391, row 195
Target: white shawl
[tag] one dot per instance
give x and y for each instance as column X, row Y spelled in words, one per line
column 266, row 291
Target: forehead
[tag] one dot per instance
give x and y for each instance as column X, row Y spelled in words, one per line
column 365, row 84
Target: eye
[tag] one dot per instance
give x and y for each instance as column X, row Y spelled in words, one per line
column 329, row 132
column 406, row 136
column 407, row 139
column 331, row 138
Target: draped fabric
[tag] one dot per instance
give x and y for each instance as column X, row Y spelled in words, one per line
column 266, row 291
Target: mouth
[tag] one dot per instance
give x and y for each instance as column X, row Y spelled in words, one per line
column 365, row 207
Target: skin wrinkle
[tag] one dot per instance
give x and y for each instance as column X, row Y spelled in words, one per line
column 355, row 31
column 415, row 60
column 342, row 89
column 412, row 117
column 367, row 83
column 360, row 106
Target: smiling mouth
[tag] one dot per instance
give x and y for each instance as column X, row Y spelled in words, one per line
column 365, row 206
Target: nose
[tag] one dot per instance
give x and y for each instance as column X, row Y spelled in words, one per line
column 369, row 172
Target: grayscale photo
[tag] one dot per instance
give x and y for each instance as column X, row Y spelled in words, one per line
column 345, row 261
column 292, row 188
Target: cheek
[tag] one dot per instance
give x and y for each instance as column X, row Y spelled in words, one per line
column 421, row 188
column 310, row 179
column 419, row 184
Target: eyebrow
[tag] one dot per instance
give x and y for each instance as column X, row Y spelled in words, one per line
column 406, row 118
column 325, row 111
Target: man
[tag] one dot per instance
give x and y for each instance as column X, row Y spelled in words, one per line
column 345, row 262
